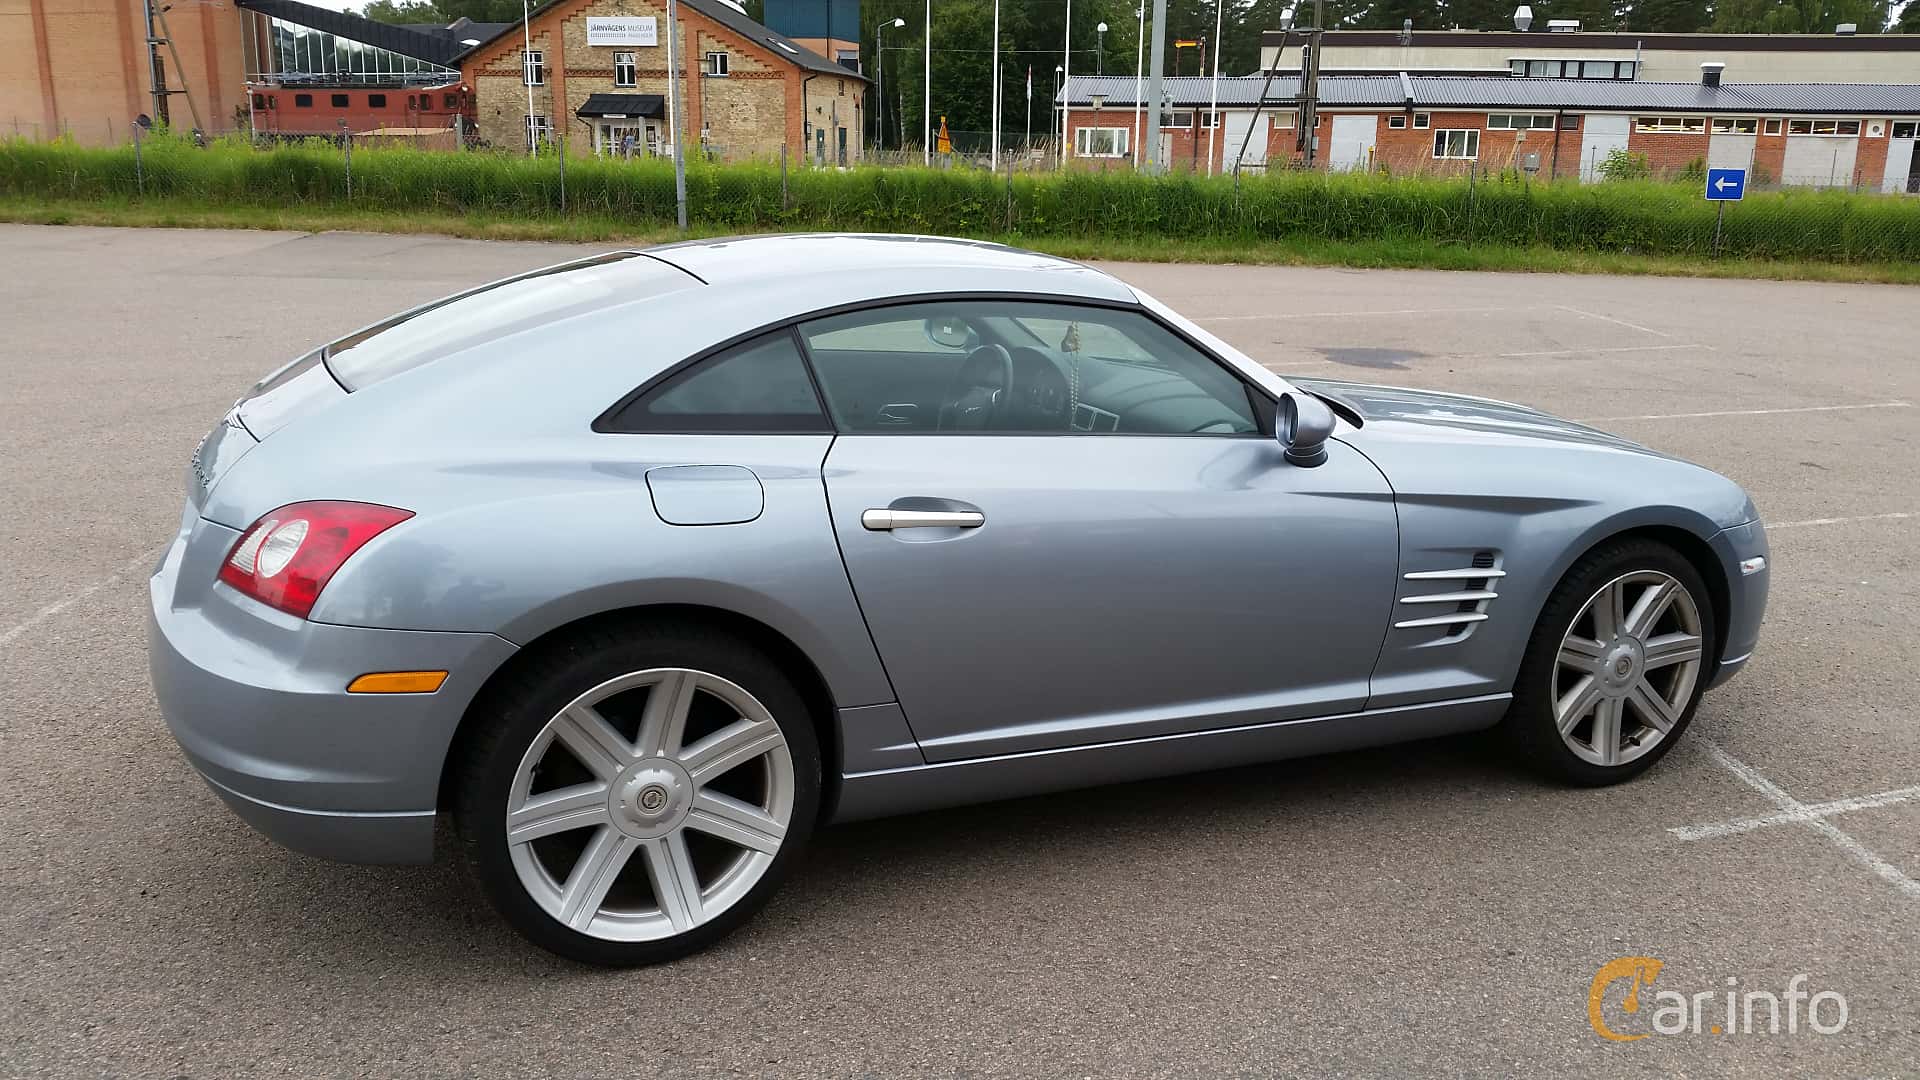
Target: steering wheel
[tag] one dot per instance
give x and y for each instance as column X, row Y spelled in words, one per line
column 978, row 394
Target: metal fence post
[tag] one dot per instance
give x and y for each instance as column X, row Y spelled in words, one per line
column 560, row 149
column 1470, row 196
column 783, row 178
column 139, row 169
column 346, row 140
column 1009, row 193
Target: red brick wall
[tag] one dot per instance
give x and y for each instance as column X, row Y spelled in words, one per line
column 1769, row 155
column 1870, row 161
column 1667, row 152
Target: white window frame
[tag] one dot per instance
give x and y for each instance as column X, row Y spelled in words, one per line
column 1173, row 115
column 1422, row 121
column 626, row 69
column 1814, row 124
column 539, row 127
column 717, row 64
column 1912, row 126
column 1670, row 125
column 1774, row 126
column 1398, row 121
column 1519, row 121
column 1470, row 144
column 1083, row 141
column 1735, row 125
column 533, row 67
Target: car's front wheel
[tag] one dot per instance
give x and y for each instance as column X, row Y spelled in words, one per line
column 635, row 795
column 1616, row 666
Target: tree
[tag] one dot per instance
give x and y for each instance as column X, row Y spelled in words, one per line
column 1909, row 19
column 405, row 11
column 1798, row 16
column 1666, row 16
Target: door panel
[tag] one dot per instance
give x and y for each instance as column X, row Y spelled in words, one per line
column 1237, row 134
column 1603, row 134
column 1353, row 142
column 1115, row 586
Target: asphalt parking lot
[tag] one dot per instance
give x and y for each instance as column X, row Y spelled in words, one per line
column 1418, row 909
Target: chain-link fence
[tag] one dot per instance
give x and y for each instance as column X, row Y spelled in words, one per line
column 1029, row 196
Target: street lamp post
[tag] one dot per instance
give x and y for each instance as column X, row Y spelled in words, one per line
column 880, row 80
column 1059, row 80
column 1100, row 56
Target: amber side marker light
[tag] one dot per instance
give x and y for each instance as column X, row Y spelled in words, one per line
column 397, row 682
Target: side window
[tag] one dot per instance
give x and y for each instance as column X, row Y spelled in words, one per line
column 1018, row 367
column 759, row 386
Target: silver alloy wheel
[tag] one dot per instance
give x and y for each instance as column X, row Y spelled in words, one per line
column 1627, row 667
column 573, row 845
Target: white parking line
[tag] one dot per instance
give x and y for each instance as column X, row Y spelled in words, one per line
column 1751, row 412
column 1351, row 314
column 1852, row 848
column 1776, row 526
column 1616, row 322
column 1807, row 812
column 73, row 598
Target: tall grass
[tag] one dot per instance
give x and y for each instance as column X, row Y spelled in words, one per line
column 1624, row 217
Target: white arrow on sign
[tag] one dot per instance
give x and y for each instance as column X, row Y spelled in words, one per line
column 1723, row 184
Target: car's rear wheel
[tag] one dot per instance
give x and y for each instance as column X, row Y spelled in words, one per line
column 1616, row 666
column 636, row 795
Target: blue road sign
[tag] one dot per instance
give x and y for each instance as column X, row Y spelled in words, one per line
column 1726, row 185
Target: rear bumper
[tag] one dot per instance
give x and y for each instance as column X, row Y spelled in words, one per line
column 258, row 702
column 1746, row 596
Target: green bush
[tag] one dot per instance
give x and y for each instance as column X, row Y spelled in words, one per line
column 1631, row 214
column 1621, row 165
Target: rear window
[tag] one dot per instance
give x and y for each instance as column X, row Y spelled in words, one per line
column 459, row 322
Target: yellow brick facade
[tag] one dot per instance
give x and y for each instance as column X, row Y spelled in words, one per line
column 748, row 113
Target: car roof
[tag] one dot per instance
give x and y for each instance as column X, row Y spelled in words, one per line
column 829, row 260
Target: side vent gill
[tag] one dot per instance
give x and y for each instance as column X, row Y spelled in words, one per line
column 1462, row 598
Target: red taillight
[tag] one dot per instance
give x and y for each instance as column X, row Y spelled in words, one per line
column 288, row 556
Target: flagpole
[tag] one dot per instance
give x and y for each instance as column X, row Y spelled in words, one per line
column 993, row 155
column 1066, row 83
column 1139, row 64
column 1213, row 111
column 1027, row 146
column 926, row 93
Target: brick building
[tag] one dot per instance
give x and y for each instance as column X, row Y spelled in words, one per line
column 1802, row 134
column 598, row 72
column 80, row 67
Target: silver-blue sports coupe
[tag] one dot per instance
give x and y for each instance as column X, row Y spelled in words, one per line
column 641, row 567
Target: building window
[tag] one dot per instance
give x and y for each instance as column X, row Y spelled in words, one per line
column 376, row 101
column 1823, row 127
column 1571, row 69
column 1100, row 142
column 1182, row 119
column 303, row 101
column 1773, row 127
column 539, row 129
column 1901, row 129
column 1518, row 121
column 259, row 101
column 1463, row 143
column 717, row 65
column 1735, row 125
column 1672, row 124
column 1422, row 120
column 1570, row 122
column 339, row 101
column 625, row 71
column 533, row 68
column 1398, row 121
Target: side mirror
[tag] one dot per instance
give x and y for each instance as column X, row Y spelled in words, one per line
column 950, row 332
column 1303, row 426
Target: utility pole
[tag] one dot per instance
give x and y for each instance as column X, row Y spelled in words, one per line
column 679, row 143
column 1309, row 114
column 1154, row 86
column 156, row 71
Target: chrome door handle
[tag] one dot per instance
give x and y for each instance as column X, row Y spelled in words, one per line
column 884, row 520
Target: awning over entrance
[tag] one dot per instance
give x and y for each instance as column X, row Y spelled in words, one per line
column 624, row 106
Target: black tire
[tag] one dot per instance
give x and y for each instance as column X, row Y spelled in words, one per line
column 1529, row 728
column 513, row 712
